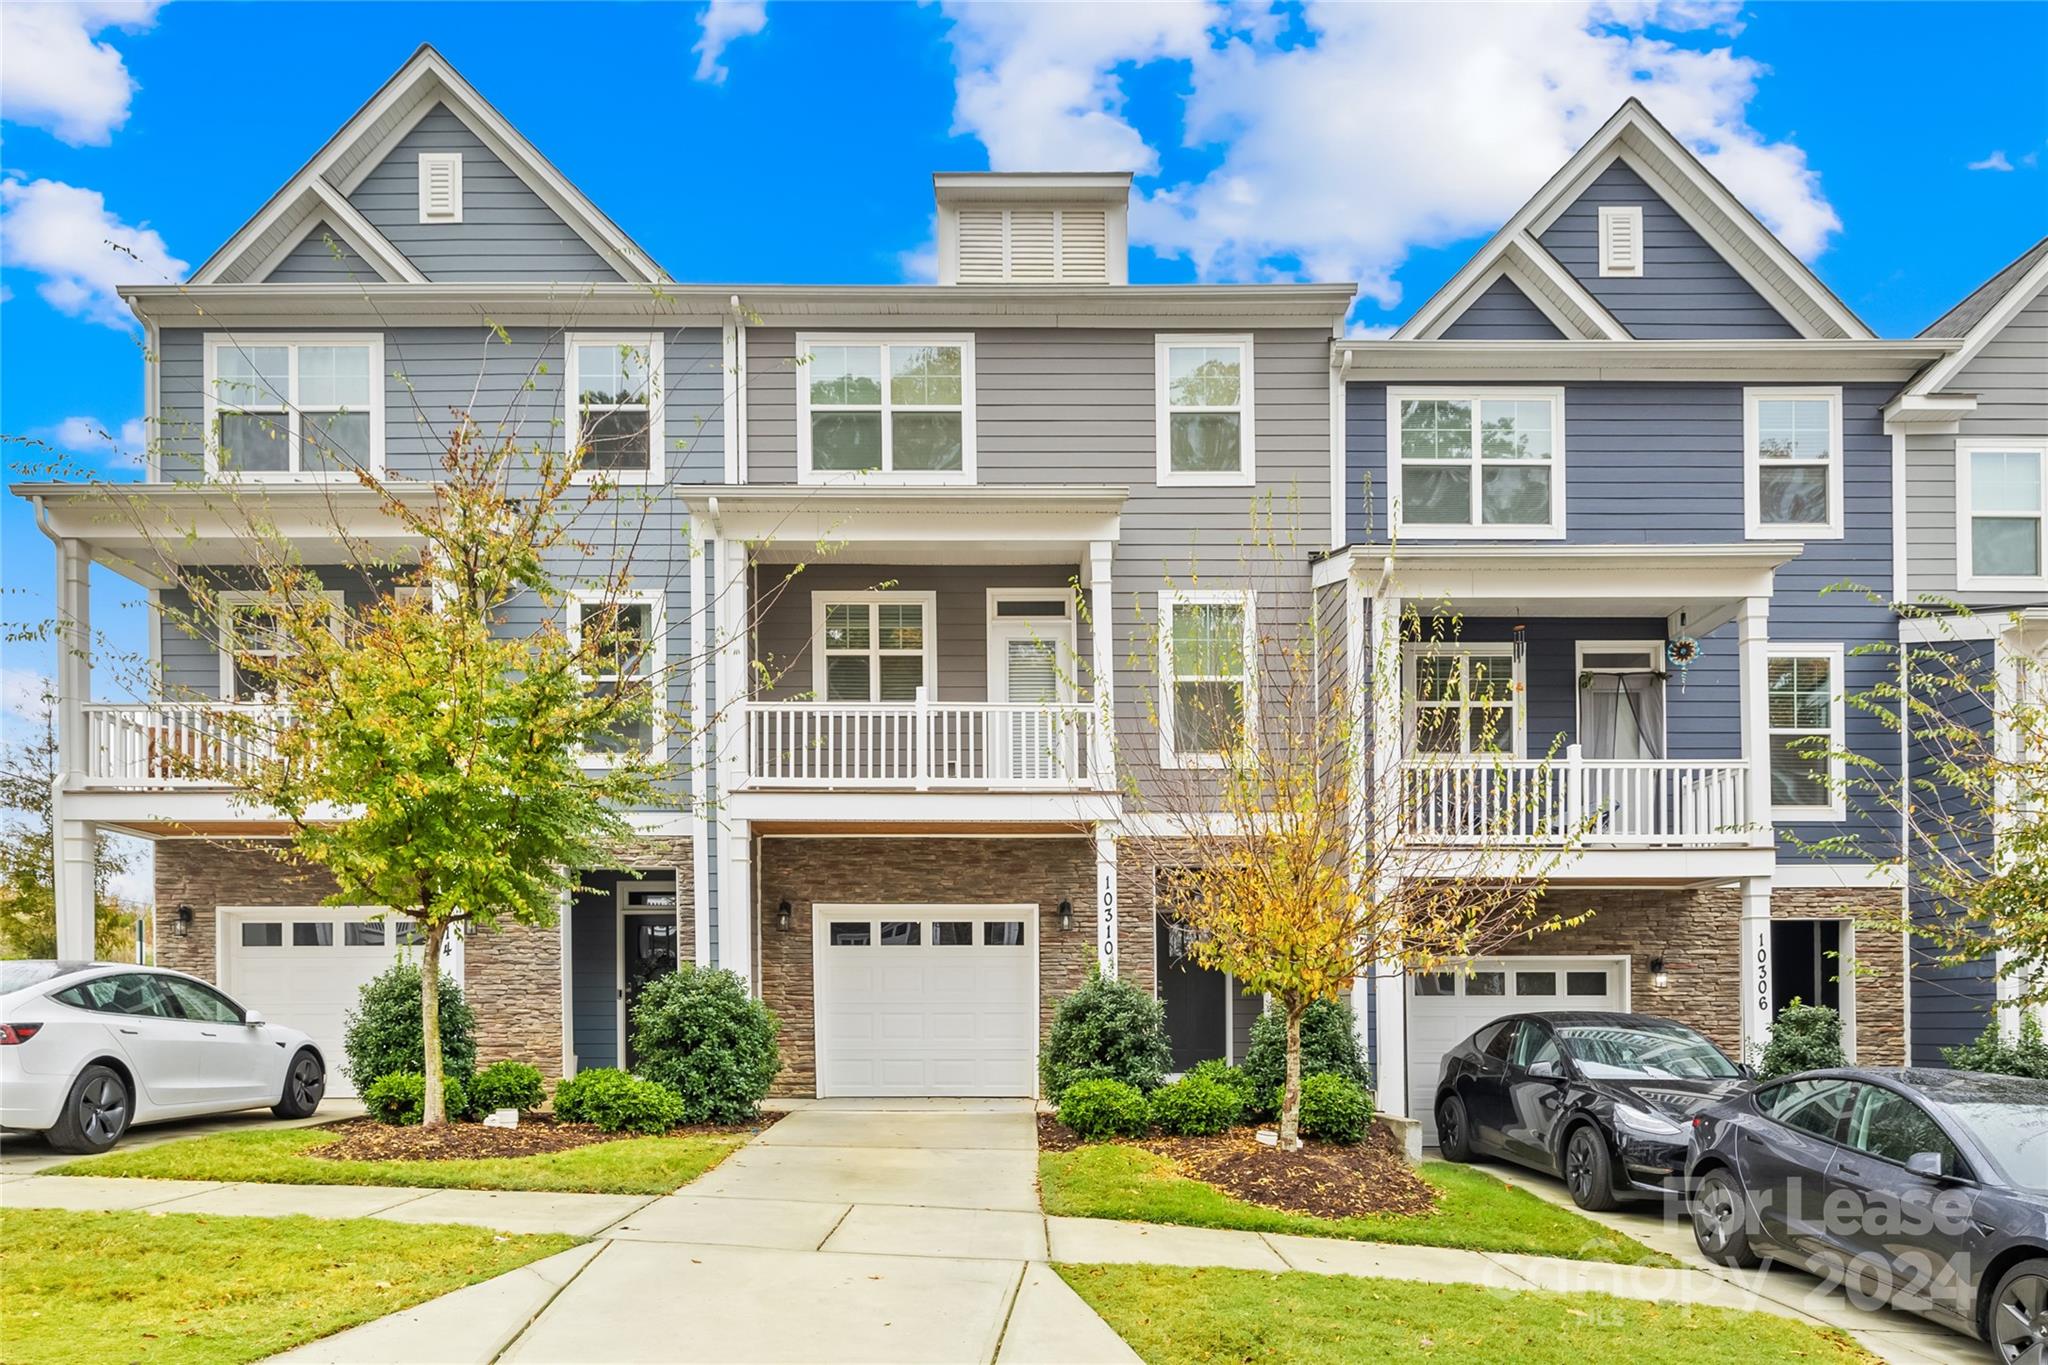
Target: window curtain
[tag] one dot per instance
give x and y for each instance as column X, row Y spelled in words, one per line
column 1624, row 716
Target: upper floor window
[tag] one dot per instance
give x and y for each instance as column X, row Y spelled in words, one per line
column 283, row 407
column 1476, row 462
column 1464, row 699
column 2003, row 516
column 1804, row 684
column 1792, row 462
column 254, row 642
column 625, row 635
column 1205, row 410
column 899, row 407
column 873, row 646
column 614, row 418
column 1205, row 655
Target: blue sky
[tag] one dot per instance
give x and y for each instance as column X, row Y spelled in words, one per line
column 794, row 143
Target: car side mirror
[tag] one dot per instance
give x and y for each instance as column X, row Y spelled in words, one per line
column 252, row 1017
column 1545, row 1071
column 1925, row 1163
column 1745, row 1070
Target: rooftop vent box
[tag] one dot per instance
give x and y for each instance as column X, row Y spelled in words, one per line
column 1033, row 228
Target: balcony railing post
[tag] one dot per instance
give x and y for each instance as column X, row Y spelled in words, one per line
column 920, row 741
column 1574, row 775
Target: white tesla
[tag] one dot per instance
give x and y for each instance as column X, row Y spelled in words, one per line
column 88, row 1048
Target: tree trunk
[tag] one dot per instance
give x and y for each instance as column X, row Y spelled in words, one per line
column 431, row 1107
column 1290, row 1094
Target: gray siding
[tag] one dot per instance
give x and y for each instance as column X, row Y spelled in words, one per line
column 507, row 231
column 191, row 654
column 594, row 979
column 323, row 257
column 1687, row 288
column 1503, row 313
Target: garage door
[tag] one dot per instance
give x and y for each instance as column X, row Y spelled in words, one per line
column 926, row 1000
column 1445, row 1008
column 306, row 968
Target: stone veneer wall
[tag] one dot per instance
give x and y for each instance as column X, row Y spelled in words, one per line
column 206, row 873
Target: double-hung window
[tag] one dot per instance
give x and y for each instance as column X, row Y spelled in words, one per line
column 895, row 407
column 254, row 644
column 1792, row 462
column 284, row 407
column 873, row 646
column 1485, row 463
column 2004, row 514
column 621, row 641
column 1206, row 651
column 1205, row 410
column 615, row 409
column 1803, row 684
column 1464, row 699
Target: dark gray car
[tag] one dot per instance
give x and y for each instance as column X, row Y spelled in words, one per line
column 1925, row 1189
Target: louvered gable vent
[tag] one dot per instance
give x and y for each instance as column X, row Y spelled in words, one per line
column 1621, row 239
column 440, row 187
column 1026, row 229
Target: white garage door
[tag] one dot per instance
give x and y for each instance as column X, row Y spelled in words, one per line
column 1445, row 1008
column 305, row 968
column 924, row 1000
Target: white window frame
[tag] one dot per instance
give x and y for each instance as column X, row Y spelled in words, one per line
column 1834, row 653
column 656, row 663
column 452, row 160
column 1755, row 527
column 288, row 407
column 1169, row 600
column 230, row 602
column 1608, row 214
column 929, row 601
column 657, row 402
column 1411, row 699
column 1247, row 472
column 808, row 342
column 1658, row 667
column 1057, row 629
column 1966, row 579
column 1475, row 394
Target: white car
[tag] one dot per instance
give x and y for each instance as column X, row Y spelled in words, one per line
column 88, row 1048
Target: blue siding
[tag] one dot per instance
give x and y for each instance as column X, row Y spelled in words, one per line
column 1502, row 313
column 593, row 979
column 323, row 256
column 1687, row 288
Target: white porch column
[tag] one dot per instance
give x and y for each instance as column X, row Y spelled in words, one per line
column 76, row 853
column 1382, row 668
column 734, row 615
column 736, row 901
column 1752, row 640
column 1756, row 967
column 1105, row 899
column 703, row 631
column 1102, row 634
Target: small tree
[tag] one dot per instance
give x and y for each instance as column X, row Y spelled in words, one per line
column 28, row 901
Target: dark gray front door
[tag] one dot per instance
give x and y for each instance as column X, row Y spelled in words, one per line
column 1197, row 998
column 649, row 950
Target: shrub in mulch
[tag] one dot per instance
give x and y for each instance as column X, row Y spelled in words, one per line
column 537, row 1135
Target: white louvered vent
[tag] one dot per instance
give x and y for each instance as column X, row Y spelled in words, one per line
column 1084, row 245
column 1621, row 240
column 440, row 187
column 981, row 244
column 1030, row 245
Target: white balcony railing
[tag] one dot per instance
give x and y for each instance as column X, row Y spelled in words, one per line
column 173, row 744
column 1614, row 802
column 921, row 745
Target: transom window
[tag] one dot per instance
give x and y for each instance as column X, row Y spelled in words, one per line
column 1805, row 731
column 1464, row 700
column 280, row 407
column 614, row 418
column 2001, row 488
column 874, row 647
column 895, row 406
column 1207, row 647
column 1487, row 461
column 1205, row 410
column 624, row 658
column 1792, row 456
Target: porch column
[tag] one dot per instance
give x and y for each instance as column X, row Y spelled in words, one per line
column 736, row 902
column 1756, row 967
column 75, row 854
column 1382, row 669
column 1752, row 640
column 733, row 613
column 1105, row 899
column 703, row 632
column 1102, row 635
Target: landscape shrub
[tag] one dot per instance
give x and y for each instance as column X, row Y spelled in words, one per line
column 1223, row 1073
column 2026, row 1054
column 1195, row 1106
column 618, row 1102
column 383, row 1031
column 401, row 1098
column 1100, row 1108
column 1329, row 1047
column 1334, row 1108
column 507, row 1085
column 698, row 1032
column 1803, row 1038
column 1109, row 1029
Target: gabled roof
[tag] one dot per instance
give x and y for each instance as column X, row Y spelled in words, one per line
column 1670, row 168
column 1958, row 321
column 426, row 80
column 1982, row 315
column 1548, row 285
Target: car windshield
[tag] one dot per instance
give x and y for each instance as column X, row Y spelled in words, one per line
column 19, row 976
column 2014, row 1133
column 1616, row 1051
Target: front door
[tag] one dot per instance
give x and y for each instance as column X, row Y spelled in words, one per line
column 1196, row 998
column 1028, row 660
column 648, row 945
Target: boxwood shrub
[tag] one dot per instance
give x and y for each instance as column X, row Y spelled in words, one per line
column 1109, row 1029
column 401, row 1098
column 618, row 1102
column 1100, row 1108
column 1195, row 1106
column 507, row 1085
column 1334, row 1108
column 383, row 1032
column 698, row 1032
column 1329, row 1046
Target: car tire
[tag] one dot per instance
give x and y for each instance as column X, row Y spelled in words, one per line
column 96, row 1112
column 1453, row 1129
column 305, row 1081
column 2016, row 1316
column 1588, row 1170
column 1720, row 1221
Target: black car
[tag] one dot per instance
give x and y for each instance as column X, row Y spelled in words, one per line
column 1602, row 1099
column 1925, row 1189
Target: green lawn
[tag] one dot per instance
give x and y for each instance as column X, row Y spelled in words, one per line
column 97, row 1287
column 650, row 1165
column 1172, row 1315
column 1474, row 1210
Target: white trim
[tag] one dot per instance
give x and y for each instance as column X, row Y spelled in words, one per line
column 1966, row 580
column 1754, row 526
column 1169, row 599
column 1548, row 286
column 1836, row 809
column 452, row 163
column 1411, row 705
column 873, row 598
column 1246, row 473
column 808, row 342
column 619, row 912
column 656, row 663
column 1658, row 668
column 1475, row 394
column 1632, row 216
column 1896, row 499
column 224, row 636
column 1936, row 377
column 648, row 344
column 1003, row 629
column 287, row 405
column 1839, row 876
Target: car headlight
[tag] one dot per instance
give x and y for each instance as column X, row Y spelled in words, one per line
column 1647, row 1123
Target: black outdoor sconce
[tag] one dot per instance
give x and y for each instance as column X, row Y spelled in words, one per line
column 782, row 917
column 1658, row 977
column 184, row 921
column 1066, row 917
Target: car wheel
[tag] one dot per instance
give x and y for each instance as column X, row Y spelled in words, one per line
column 1588, row 1172
column 1720, row 1222
column 305, row 1081
column 96, row 1112
column 1453, row 1130
column 2018, row 1320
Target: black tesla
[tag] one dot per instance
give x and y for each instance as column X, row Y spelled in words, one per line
column 1924, row 1189
column 1603, row 1100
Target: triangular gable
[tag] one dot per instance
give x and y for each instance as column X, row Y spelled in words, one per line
column 1502, row 312
column 1981, row 316
column 362, row 144
column 1542, row 285
column 323, row 256
column 1670, row 171
column 292, row 221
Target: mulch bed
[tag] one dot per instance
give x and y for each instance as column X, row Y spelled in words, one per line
column 537, row 1135
column 1322, row 1180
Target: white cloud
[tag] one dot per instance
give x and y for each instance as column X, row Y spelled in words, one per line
column 724, row 23
column 1995, row 162
column 90, row 437
column 66, row 235
column 54, row 75
column 1400, row 126
column 24, row 696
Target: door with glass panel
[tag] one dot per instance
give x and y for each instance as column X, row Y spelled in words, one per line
column 1031, row 645
column 1621, row 719
column 649, row 948
column 874, row 657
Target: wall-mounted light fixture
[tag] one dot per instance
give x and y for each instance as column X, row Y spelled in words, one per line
column 184, row 921
column 782, row 917
column 1659, row 979
column 1066, row 917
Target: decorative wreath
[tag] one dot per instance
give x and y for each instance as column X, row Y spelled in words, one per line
column 1682, row 651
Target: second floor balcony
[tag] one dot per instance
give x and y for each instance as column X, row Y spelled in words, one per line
column 1595, row 803
column 922, row 746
